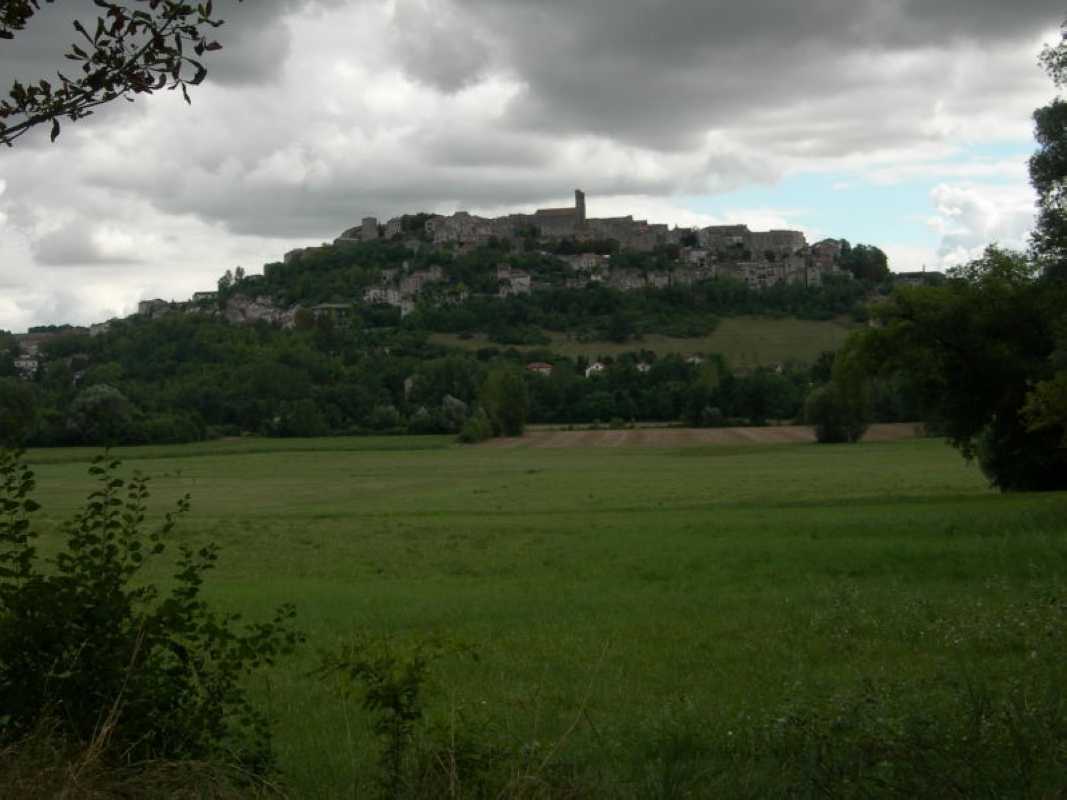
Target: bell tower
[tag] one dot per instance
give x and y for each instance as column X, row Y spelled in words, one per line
column 579, row 205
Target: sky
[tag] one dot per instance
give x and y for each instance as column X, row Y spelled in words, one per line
column 900, row 123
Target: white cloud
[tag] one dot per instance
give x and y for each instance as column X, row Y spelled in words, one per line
column 969, row 217
column 910, row 258
column 319, row 112
column 1011, row 169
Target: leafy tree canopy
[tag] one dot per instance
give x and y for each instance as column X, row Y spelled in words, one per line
column 976, row 347
column 132, row 48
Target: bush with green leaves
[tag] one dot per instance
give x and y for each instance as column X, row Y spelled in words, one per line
column 87, row 643
column 835, row 417
column 477, row 428
column 505, row 398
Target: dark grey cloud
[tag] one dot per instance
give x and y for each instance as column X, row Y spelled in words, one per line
column 443, row 49
column 663, row 73
column 317, row 112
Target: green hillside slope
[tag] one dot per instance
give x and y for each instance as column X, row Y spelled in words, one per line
column 746, row 342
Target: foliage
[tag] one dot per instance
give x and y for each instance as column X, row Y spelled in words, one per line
column 974, row 348
column 100, row 414
column 865, row 262
column 46, row 766
column 84, row 640
column 506, row 401
column 1046, row 406
column 477, row 428
column 1048, row 168
column 190, row 376
column 834, row 417
column 18, row 411
column 133, row 48
column 391, row 677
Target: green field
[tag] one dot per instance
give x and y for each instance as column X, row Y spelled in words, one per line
column 620, row 600
column 746, row 342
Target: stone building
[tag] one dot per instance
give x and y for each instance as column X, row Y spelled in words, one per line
column 561, row 222
column 512, row 281
column 153, row 308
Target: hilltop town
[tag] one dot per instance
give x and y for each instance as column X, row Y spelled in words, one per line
column 571, row 250
column 760, row 259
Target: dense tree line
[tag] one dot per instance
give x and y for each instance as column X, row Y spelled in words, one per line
column 186, row 377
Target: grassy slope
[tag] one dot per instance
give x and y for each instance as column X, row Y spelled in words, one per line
column 745, row 341
column 709, row 582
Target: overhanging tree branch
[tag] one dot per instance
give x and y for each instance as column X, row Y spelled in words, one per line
column 136, row 48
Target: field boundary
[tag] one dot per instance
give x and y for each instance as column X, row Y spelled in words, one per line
column 693, row 437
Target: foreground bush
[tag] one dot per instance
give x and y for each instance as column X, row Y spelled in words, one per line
column 44, row 766
column 85, row 643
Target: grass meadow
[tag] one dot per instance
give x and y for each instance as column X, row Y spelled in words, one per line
column 746, row 341
column 634, row 611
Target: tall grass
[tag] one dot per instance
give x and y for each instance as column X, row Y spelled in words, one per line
column 714, row 622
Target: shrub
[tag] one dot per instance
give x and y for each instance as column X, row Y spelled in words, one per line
column 477, row 428
column 86, row 642
column 390, row 677
column 383, row 418
column 834, row 417
column 504, row 396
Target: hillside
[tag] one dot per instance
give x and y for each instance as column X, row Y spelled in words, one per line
column 746, row 342
column 400, row 335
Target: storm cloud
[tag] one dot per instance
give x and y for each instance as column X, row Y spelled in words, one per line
column 318, row 112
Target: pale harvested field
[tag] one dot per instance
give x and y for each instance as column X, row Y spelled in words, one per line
column 689, row 437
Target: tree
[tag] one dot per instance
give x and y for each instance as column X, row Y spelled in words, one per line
column 17, row 411
column 505, row 400
column 865, row 262
column 835, row 415
column 1048, row 169
column 137, row 47
column 975, row 349
column 1046, row 406
column 100, row 414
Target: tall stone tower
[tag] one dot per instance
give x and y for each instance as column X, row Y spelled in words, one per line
column 369, row 229
column 579, row 205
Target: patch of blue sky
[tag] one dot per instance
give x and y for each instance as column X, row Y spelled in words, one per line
column 878, row 205
column 835, row 205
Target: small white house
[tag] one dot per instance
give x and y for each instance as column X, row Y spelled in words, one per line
column 596, row 368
